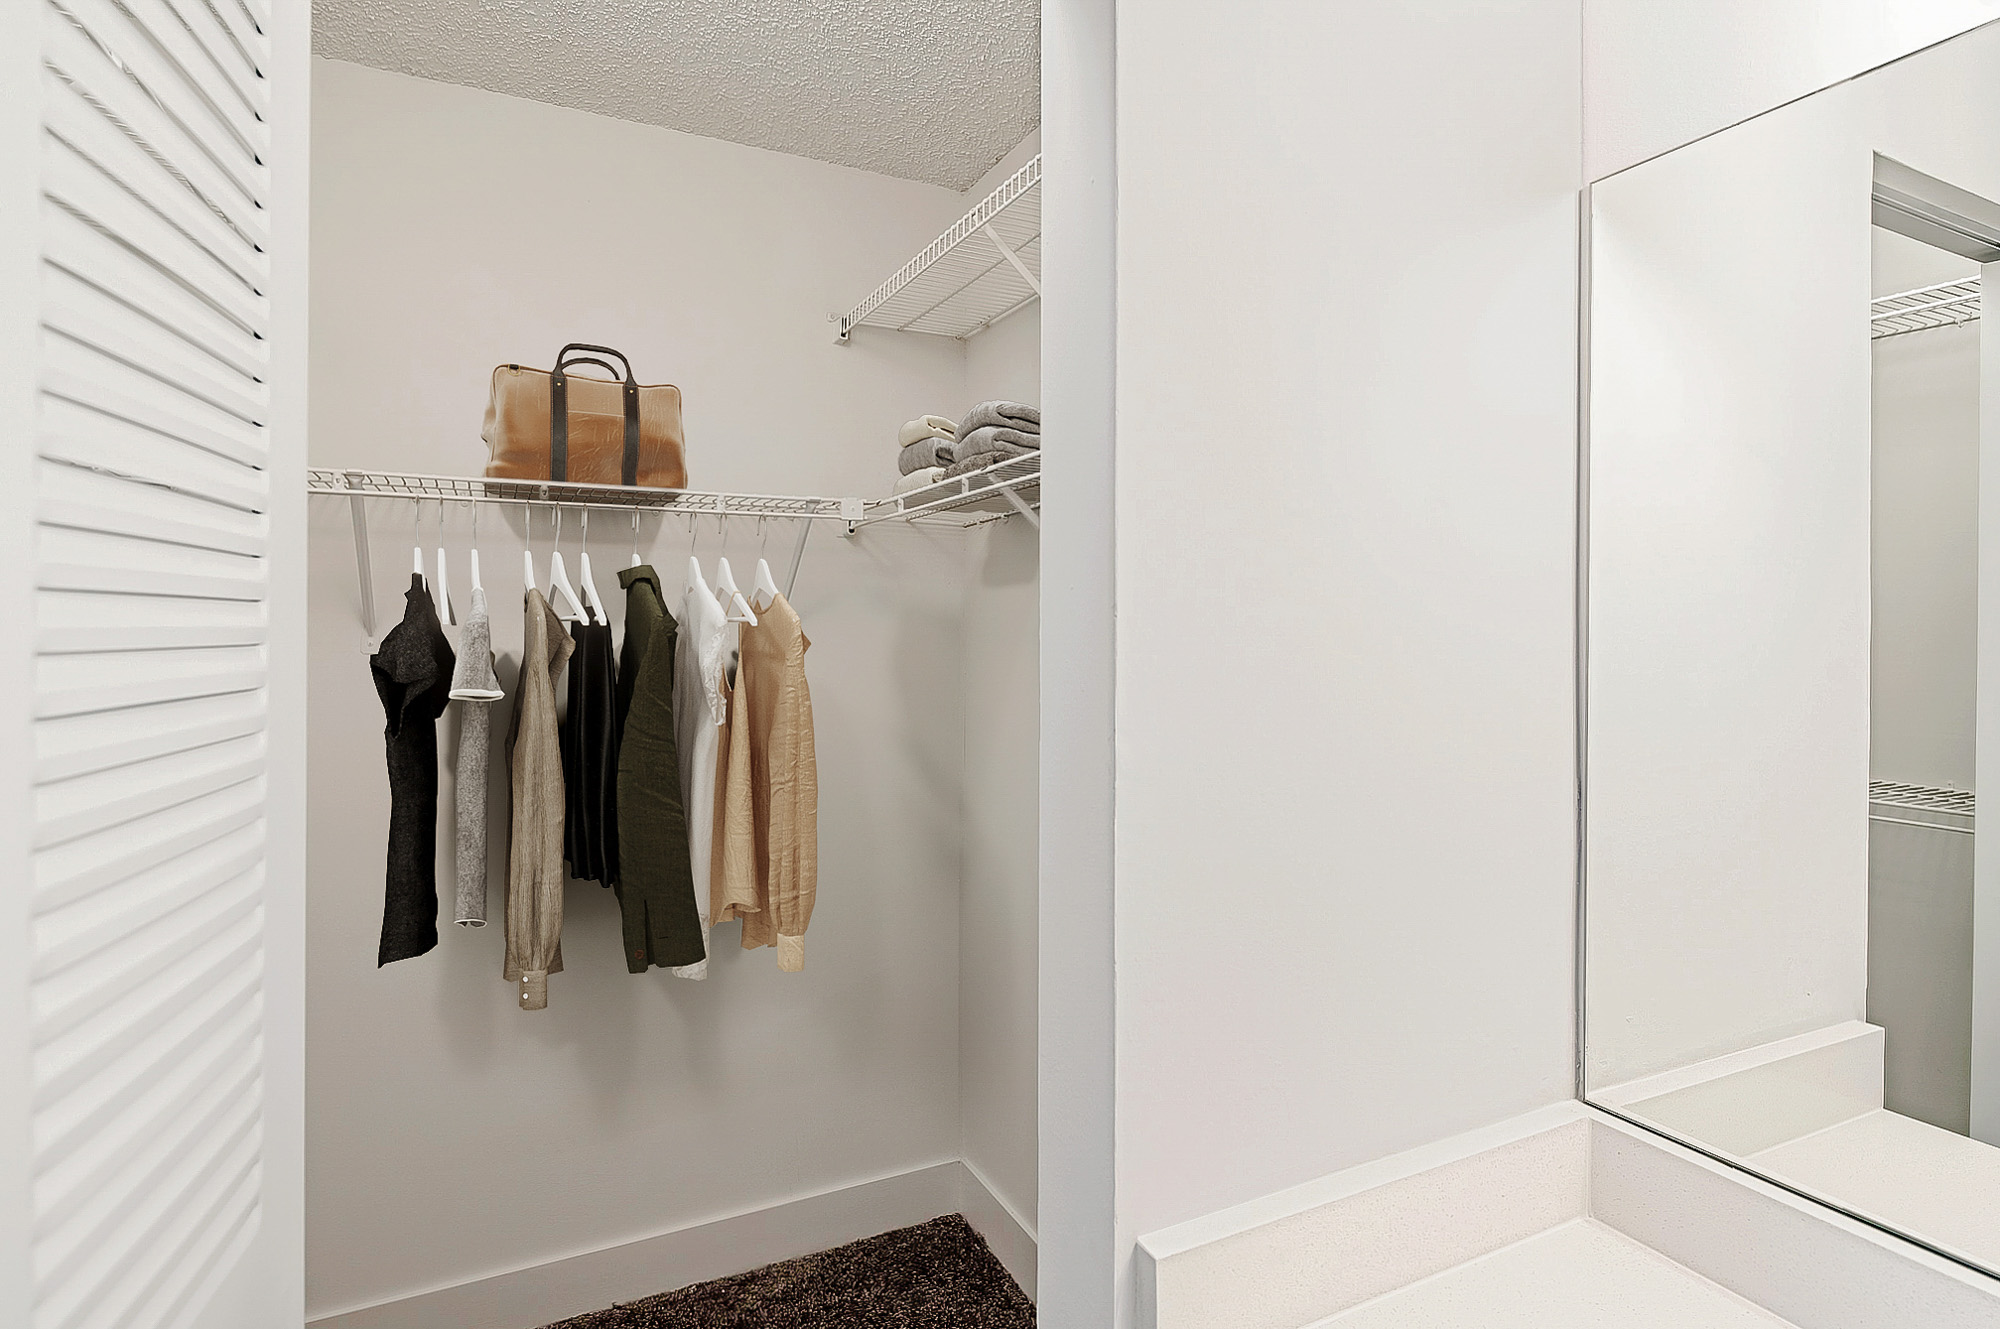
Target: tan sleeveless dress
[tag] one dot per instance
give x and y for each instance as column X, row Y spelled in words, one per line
column 765, row 868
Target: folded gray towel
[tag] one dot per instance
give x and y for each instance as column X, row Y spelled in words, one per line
column 924, row 454
column 975, row 463
column 993, row 438
column 1006, row 414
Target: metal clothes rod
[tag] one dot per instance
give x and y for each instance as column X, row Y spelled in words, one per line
column 1927, row 800
column 1921, row 825
column 360, row 486
column 550, row 493
column 1006, row 489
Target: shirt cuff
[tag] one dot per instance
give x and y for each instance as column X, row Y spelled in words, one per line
column 791, row 953
column 535, row 990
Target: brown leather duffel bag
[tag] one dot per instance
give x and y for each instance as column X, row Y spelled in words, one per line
column 556, row 426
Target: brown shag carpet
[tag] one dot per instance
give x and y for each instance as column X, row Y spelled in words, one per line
column 936, row 1275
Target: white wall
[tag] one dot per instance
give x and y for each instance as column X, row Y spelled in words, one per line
column 1730, row 532
column 1729, row 556
column 1660, row 73
column 999, row 906
column 451, row 1135
column 1345, row 473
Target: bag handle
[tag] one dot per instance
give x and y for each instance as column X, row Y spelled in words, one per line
column 559, row 411
column 575, row 360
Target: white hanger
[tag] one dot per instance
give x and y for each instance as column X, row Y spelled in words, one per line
column 590, row 595
column 763, row 586
column 475, row 547
column 446, row 612
column 417, row 526
column 738, row 609
column 528, row 556
column 559, row 579
column 635, row 539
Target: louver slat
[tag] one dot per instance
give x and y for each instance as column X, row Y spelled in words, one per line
column 151, row 636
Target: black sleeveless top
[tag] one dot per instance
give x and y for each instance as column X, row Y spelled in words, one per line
column 412, row 671
column 589, row 738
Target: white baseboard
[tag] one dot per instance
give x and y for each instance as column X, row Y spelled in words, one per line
column 1313, row 1254
column 1749, row 1101
column 535, row 1296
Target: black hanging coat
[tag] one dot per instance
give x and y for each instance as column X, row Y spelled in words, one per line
column 412, row 670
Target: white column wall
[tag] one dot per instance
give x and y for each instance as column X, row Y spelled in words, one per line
column 1345, row 477
column 1077, row 1278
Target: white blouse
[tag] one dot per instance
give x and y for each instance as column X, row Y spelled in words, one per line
column 699, row 711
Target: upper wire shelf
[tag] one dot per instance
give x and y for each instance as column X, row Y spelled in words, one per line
column 1001, row 490
column 1921, row 798
column 1946, row 304
column 394, row 484
column 986, row 266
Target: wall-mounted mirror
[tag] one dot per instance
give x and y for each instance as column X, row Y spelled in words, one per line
column 1791, row 637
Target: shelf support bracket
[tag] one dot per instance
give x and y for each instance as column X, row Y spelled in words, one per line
column 798, row 557
column 1021, row 506
column 357, row 506
column 1012, row 257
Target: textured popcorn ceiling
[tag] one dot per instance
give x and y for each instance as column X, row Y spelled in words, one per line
column 933, row 90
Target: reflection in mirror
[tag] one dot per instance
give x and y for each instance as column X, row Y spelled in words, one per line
column 1791, row 634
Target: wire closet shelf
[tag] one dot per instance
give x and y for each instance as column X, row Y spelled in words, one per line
column 1002, row 490
column 1945, row 305
column 1922, row 806
column 1008, row 488
column 985, row 267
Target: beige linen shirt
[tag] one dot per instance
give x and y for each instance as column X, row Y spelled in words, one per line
column 535, row 872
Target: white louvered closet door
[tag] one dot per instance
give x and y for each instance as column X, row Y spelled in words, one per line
column 151, row 496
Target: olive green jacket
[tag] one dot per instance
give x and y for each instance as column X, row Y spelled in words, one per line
column 655, row 880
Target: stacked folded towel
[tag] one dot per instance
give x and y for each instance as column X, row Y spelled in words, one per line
column 930, row 475
column 992, row 432
column 926, row 443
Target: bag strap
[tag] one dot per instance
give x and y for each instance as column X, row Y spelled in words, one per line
column 559, row 411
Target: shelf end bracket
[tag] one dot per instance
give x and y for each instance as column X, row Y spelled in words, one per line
column 357, row 506
column 1021, row 506
column 1012, row 257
